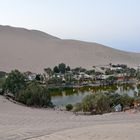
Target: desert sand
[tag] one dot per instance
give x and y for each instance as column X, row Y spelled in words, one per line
column 18, row 122
column 31, row 50
column 129, row 131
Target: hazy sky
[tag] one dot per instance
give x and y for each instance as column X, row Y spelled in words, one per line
column 115, row 23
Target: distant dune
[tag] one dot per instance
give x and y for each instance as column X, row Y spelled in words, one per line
column 34, row 50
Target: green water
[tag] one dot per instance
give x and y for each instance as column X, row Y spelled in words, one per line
column 75, row 95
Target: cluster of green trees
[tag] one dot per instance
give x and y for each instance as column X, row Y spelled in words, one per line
column 111, row 80
column 30, row 93
column 131, row 72
column 35, row 95
column 70, row 75
column 100, row 103
column 52, row 77
column 15, row 82
column 61, row 68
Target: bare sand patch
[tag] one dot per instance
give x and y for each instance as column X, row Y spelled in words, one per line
column 21, row 123
column 127, row 131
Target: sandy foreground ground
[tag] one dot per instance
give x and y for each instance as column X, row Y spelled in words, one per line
column 23, row 123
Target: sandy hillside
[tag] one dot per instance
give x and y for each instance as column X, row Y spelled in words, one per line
column 34, row 50
column 23, row 123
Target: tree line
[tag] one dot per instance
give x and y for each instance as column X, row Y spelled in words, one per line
column 30, row 93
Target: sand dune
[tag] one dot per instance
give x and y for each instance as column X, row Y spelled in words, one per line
column 21, row 123
column 34, row 50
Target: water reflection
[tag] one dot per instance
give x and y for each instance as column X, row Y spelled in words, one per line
column 72, row 96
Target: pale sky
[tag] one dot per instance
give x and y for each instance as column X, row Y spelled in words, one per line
column 115, row 23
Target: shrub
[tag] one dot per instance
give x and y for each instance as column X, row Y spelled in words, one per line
column 77, row 107
column 124, row 100
column 15, row 82
column 94, row 103
column 35, row 95
column 102, row 103
column 69, row 107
